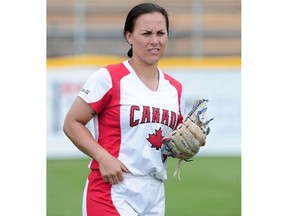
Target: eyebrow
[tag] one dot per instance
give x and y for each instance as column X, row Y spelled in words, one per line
column 144, row 30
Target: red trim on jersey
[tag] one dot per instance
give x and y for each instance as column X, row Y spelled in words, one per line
column 109, row 118
column 178, row 87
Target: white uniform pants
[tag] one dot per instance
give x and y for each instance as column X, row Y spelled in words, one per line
column 134, row 196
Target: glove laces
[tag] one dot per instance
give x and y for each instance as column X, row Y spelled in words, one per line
column 178, row 168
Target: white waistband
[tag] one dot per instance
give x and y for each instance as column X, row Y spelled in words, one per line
column 151, row 176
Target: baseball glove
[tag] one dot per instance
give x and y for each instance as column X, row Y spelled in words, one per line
column 185, row 141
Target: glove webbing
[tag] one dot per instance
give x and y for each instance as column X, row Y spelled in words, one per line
column 202, row 120
column 195, row 107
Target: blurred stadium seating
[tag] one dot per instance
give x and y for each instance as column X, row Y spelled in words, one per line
column 198, row 28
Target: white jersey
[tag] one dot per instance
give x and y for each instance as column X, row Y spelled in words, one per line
column 131, row 119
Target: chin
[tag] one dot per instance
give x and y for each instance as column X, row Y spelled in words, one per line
column 153, row 60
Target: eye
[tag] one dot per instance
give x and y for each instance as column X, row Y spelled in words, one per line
column 161, row 33
column 146, row 33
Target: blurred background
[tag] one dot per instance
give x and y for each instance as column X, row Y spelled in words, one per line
column 204, row 53
column 199, row 28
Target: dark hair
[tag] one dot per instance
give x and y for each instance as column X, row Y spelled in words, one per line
column 138, row 10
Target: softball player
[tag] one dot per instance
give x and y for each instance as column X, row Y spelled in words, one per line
column 134, row 105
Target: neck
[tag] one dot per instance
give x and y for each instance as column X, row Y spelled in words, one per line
column 148, row 74
column 147, row 71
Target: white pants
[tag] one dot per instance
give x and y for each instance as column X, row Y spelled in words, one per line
column 143, row 196
column 134, row 196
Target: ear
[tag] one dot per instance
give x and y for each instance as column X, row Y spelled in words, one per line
column 128, row 36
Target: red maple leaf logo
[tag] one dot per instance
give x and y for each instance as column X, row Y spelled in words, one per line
column 156, row 139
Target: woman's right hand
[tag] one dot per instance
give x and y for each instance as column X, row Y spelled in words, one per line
column 111, row 169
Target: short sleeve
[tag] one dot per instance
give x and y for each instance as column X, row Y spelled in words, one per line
column 95, row 88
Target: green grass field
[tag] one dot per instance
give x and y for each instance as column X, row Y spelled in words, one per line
column 209, row 186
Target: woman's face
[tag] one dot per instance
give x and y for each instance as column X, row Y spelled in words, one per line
column 149, row 38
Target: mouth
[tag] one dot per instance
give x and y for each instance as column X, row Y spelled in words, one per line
column 154, row 50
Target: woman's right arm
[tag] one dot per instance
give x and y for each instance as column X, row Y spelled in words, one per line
column 75, row 129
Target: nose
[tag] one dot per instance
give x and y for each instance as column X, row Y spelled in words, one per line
column 154, row 39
